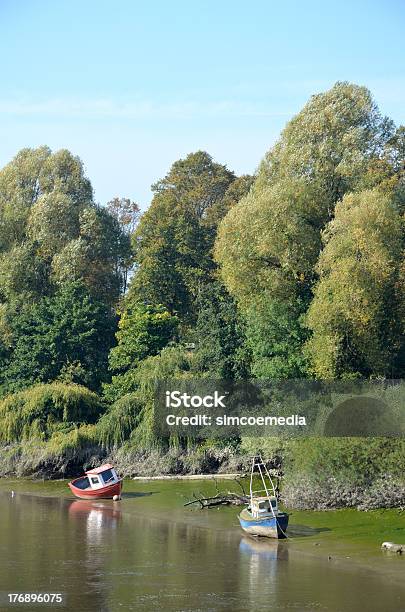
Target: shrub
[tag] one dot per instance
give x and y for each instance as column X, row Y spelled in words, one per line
column 40, row 411
column 116, row 425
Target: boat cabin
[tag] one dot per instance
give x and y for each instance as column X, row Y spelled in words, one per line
column 263, row 505
column 102, row 476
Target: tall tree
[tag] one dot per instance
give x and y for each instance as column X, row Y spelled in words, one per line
column 61, row 262
column 48, row 220
column 357, row 315
column 127, row 213
column 269, row 243
column 174, row 240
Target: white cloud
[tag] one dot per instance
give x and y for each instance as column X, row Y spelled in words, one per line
column 132, row 109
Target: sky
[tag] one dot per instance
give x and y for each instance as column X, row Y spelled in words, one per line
column 132, row 86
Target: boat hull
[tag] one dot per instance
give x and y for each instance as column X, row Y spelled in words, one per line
column 107, row 492
column 266, row 526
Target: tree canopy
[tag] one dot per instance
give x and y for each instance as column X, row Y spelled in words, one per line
column 51, row 230
column 269, row 243
column 174, row 240
column 357, row 313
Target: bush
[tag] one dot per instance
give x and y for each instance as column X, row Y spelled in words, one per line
column 116, row 425
column 44, row 409
column 323, row 473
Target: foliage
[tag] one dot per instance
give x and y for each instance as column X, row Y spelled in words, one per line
column 47, row 214
column 143, row 331
column 358, row 304
column 67, row 336
column 131, row 417
column 269, row 243
column 127, row 213
column 219, row 336
column 338, row 472
column 173, row 242
column 117, row 424
column 271, row 239
column 274, row 338
column 42, row 410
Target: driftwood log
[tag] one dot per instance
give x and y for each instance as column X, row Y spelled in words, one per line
column 221, row 498
column 229, row 498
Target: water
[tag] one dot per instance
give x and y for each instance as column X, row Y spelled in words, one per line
column 149, row 553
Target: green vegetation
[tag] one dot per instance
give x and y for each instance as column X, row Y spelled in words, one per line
column 65, row 336
column 358, row 306
column 44, row 410
column 268, row 245
column 144, row 330
column 297, row 272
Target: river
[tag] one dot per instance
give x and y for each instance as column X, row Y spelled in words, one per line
column 148, row 552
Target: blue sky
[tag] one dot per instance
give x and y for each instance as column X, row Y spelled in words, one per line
column 132, row 86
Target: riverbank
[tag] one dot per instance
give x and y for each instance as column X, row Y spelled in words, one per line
column 314, row 489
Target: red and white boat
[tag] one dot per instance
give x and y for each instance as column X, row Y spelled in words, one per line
column 98, row 483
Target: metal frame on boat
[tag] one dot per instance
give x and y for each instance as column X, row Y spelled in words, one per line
column 262, row 517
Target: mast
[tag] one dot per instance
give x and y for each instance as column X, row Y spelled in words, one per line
column 264, row 474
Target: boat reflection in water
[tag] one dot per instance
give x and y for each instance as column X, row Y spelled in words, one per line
column 99, row 517
column 264, row 550
column 264, row 565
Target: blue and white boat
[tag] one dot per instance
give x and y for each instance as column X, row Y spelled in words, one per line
column 262, row 517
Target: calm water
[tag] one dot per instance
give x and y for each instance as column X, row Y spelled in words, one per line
column 149, row 553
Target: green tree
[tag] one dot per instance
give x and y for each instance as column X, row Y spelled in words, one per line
column 269, row 243
column 144, row 330
column 127, row 213
column 47, row 215
column 66, row 336
column 174, row 239
column 97, row 256
column 219, row 336
column 274, row 338
column 357, row 313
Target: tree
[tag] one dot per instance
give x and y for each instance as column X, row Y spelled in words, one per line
column 66, row 336
column 357, row 313
column 47, row 214
column 275, row 338
column 219, row 336
column 97, row 256
column 269, row 243
column 174, row 239
column 143, row 331
column 127, row 214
